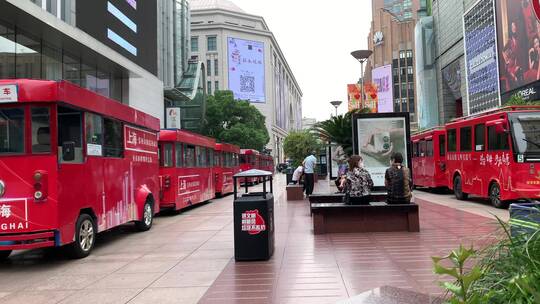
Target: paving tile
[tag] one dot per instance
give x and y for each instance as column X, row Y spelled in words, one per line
column 187, row 279
column 41, row 297
column 190, row 295
column 148, row 266
column 101, row 296
column 125, row 280
column 65, row 282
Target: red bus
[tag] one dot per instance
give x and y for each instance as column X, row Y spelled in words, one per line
column 429, row 158
column 249, row 159
column 225, row 166
column 495, row 155
column 186, row 169
column 73, row 163
column 266, row 162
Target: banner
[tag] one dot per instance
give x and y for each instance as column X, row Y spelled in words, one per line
column 382, row 78
column 246, row 69
column 354, row 93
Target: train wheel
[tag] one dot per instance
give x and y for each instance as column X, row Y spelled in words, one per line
column 458, row 189
column 85, row 237
column 148, row 218
column 4, row 254
column 495, row 196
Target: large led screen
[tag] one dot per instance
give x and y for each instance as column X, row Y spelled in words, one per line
column 377, row 137
column 519, row 49
column 246, row 69
column 481, row 57
column 382, row 78
column 127, row 26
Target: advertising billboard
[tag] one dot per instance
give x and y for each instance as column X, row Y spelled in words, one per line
column 246, row 69
column 518, row 32
column 382, row 78
column 354, row 95
column 127, row 26
column 481, row 57
column 376, row 137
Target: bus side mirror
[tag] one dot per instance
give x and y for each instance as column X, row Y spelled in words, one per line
column 68, row 151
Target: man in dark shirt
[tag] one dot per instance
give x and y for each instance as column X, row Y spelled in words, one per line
column 397, row 180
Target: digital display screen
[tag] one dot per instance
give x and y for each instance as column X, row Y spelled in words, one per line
column 382, row 77
column 127, row 26
column 246, row 69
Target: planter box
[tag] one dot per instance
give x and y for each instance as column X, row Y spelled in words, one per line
column 524, row 218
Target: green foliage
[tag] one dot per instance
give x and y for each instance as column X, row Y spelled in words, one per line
column 517, row 100
column 508, row 271
column 338, row 129
column 298, row 145
column 460, row 290
column 235, row 122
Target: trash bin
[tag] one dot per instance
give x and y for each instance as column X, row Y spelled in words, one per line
column 524, row 219
column 253, row 220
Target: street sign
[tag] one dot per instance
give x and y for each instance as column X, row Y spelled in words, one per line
column 173, row 118
column 9, row 93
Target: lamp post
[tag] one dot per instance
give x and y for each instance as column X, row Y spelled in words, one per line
column 336, row 104
column 362, row 56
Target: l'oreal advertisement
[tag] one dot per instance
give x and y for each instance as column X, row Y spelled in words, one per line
column 377, row 138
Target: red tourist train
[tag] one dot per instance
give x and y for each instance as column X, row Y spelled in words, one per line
column 186, row 168
column 226, row 164
column 73, row 163
column 249, row 159
column 429, row 158
column 494, row 155
column 266, row 162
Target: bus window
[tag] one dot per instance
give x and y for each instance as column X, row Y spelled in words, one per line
column 429, row 147
column 113, row 138
column 167, row 156
column 465, row 139
column 442, row 145
column 451, row 134
column 189, row 156
column 210, row 157
column 94, row 135
column 41, row 131
column 216, row 158
column 415, row 149
column 11, row 130
column 243, row 158
column 70, row 134
column 497, row 141
column 178, row 152
column 479, row 137
column 422, row 145
column 200, row 153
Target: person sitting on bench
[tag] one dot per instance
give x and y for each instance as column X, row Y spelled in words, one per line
column 297, row 174
column 358, row 183
column 397, row 181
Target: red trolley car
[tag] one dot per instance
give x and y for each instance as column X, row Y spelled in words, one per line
column 225, row 166
column 72, row 163
column 186, row 168
column 429, row 158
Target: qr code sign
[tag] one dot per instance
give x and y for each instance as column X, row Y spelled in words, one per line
column 247, row 84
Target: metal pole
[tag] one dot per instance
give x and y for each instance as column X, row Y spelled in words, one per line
column 235, row 188
column 264, row 187
column 362, row 77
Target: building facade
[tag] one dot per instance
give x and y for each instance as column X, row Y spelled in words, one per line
column 109, row 47
column 242, row 55
column 391, row 39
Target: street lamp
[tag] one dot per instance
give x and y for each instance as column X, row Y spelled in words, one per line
column 336, row 104
column 362, row 56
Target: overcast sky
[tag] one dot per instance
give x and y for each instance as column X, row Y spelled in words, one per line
column 317, row 39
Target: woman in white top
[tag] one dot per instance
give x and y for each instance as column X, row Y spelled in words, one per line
column 297, row 174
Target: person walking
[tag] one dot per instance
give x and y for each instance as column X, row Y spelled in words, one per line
column 397, row 181
column 309, row 169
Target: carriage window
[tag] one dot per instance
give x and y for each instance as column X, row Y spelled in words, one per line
column 178, row 153
column 243, row 159
column 94, row 135
column 113, row 143
column 479, row 138
column 422, row 148
column 497, row 141
column 201, row 156
column 11, row 130
column 166, row 159
column 451, row 134
column 210, row 157
column 189, row 156
column 70, row 135
column 429, row 147
column 216, row 158
column 465, row 139
column 442, row 145
column 41, row 131
column 415, row 149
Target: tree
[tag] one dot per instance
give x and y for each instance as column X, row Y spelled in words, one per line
column 298, row 145
column 517, row 100
column 338, row 129
column 235, row 121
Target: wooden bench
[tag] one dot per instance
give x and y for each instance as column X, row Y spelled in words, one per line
column 295, row 192
column 376, row 217
column 376, row 196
